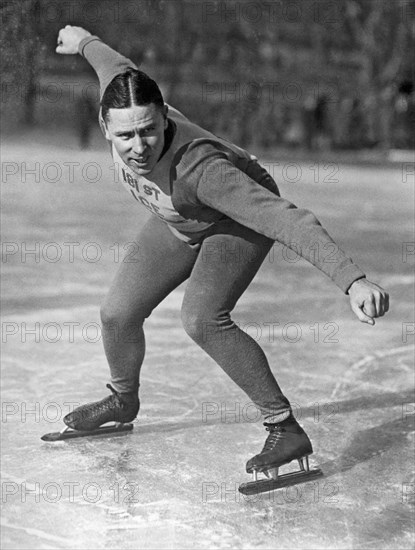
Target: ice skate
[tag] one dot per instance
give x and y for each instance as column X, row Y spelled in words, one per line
column 286, row 442
column 89, row 419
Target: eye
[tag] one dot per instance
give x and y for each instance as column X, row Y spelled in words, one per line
column 125, row 136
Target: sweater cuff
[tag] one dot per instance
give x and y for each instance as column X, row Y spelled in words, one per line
column 347, row 276
column 86, row 41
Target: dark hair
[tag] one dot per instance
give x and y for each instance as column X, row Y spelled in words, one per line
column 128, row 89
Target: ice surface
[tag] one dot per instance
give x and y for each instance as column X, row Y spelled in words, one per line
column 172, row 482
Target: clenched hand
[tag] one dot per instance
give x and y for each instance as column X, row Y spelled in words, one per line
column 368, row 300
column 69, row 39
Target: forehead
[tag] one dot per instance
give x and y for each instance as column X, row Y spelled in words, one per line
column 133, row 117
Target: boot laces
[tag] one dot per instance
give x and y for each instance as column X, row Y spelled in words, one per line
column 276, row 433
column 115, row 400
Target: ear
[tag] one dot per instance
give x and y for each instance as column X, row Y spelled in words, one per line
column 103, row 126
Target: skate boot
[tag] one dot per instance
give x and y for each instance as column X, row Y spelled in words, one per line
column 88, row 419
column 114, row 408
column 287, row 441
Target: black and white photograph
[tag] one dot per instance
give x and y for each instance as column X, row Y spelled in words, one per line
column 207, row 267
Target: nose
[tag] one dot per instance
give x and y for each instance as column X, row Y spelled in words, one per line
column 138, row 145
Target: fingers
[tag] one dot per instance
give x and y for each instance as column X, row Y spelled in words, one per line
column 368, row 301
column 60, row 47
column 376, row 306
column 386, row 302
column 361, row 315
column 370, row 309
column 381, row 303
column 69, row 39
column 66, row 41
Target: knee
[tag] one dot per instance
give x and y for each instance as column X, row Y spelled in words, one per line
column 115, row 316
column 194, row 325
column 108, row 314
column 202, row 324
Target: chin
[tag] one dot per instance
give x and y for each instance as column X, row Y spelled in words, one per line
column 142, row 171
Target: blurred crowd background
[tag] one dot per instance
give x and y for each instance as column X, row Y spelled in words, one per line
column 306, row 74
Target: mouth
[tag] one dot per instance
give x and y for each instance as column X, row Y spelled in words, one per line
column 140, row 161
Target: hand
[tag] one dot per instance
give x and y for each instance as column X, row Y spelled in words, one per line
column 69, row 39
column 368, row 300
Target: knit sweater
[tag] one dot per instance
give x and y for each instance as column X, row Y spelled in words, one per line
column 211, row 179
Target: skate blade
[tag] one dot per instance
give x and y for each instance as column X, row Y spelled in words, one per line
column 68, row 433
column 286, row 480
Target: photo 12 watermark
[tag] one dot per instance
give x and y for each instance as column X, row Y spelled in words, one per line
column 25, row 252
column 271, row 331
column 328, row 14
column 69, row 332
column 236, row 412
column 53, row 492
column 309, row 492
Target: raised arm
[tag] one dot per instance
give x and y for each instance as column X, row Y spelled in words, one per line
column 106, row 62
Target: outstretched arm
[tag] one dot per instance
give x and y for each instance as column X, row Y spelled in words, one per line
column 106, row 62
column 221, row 186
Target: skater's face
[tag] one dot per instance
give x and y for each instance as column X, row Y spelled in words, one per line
column 138, row 135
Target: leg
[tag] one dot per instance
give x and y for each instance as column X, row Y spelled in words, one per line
column 161, row 263
column 228, row 261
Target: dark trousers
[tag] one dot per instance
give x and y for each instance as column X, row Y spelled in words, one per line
column 218, row 274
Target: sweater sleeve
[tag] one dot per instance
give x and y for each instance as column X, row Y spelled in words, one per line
column 105, row 61
column 221, row 186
